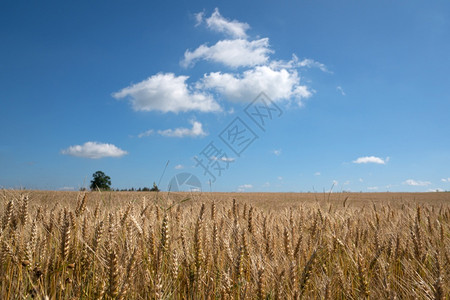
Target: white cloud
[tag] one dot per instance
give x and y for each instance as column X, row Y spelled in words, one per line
column 232, row 53
column 341, row 90
column 277, row 152
column 179, row 167
column 370, row 159
column 167, row 93
column 195, row 131
column 199, row 18
column 227, row 159
column 280, row 84
column 279, row 79
column 311, row 63
column 224, row 159
column 335, row 182
column 360, row 180
column 445, row 179
column 280, row 178
column 413, row 182
column 67, row 188
column 244, row 187
column 146, row 133
column 94, row 150
column 296, row 63
column 218, row 23
column 317, row 174
column 372, row 188
column 436, row 190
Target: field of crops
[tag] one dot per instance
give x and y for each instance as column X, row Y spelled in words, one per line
column 125, row 245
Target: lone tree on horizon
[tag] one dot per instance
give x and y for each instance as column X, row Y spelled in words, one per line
column 154, row 188
column 100, row 181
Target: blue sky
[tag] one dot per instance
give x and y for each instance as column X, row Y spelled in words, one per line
column 362, row 89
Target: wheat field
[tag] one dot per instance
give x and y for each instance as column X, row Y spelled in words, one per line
column 130, row 245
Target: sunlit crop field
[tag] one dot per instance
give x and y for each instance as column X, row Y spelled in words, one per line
column 136, row 245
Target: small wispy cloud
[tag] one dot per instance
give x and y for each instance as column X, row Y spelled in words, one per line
column 146, row 133
column 244, row 187
column 372, row 188
column 413, row 182
column 179, row 167
column 311, row 63
column 371, row 159
column 67, row 188
column 436, row 190
column 296, row 63
column 341, row 90
column 218, row 23
column 223, row 158
column 445, row 179
column 94, row 150
column 277, row 152
column 199, row 18
column 317, row 174
column 195, row 131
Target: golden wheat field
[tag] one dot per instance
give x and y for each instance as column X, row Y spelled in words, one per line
column 136, row 245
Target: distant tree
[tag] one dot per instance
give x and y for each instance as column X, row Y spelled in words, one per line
column 154, row 188
column 145, row 189
column 100, row 181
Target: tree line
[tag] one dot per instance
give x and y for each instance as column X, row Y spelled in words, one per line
column 101, row 181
